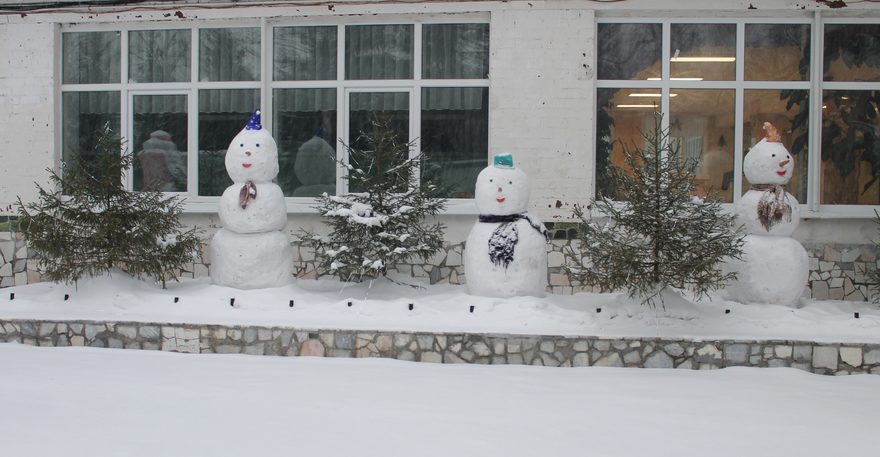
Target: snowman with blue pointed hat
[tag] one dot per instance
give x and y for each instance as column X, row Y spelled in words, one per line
column 251, row 250
column 506, row 251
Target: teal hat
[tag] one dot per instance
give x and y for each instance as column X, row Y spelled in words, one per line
column 503, row 160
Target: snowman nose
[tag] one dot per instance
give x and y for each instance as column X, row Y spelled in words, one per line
column 499, row 189
column 784, row 163
column 247, row 153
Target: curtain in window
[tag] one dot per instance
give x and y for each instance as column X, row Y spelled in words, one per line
column 229, row 54
column 379, row 51
column 305, row 53
column 90, row 57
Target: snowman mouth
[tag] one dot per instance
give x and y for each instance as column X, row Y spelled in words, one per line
column 246, row 165
column 781, row 172
column 500, row 199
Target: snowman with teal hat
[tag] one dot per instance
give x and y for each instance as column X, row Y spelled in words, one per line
column 506, row 251
column 251, row 250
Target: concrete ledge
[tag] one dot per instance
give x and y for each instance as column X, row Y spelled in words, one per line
column 499, row 349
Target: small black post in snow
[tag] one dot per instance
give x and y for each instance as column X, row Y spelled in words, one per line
column 598, row 310
column 727, row 311
column 232, row 302
column 11, row 296
column 410, row 306
column 176, row 299
column 472, row 308
column 349, row 304
column 856, row 314
column 66, row 296
column 291, row 303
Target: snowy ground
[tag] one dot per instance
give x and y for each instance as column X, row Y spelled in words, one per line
column 384, row 306
column 105, row 402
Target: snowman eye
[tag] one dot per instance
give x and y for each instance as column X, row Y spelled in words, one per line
column 788, row 157
column 258, row 144
column 241, row 145
column 510, row 182
column 773, row 155
column 491, row 180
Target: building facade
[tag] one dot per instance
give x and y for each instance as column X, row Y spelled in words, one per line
column 563, row 85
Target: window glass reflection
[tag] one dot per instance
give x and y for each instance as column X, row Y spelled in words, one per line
column 788, row 111
column 852, row 52
column 629, row 51
column 703, row 51
column 305, row 53
column 84, row 115
column 305, row 129
column 850, row 147
column 455, row 137
column 157, row 56
column 158, row 139
column 229, row 54
column 90, row 57
column 222, row 114
column 701, row 123
column 379, row 51
column 366, row 110
column 455, row 51
column 777, row 52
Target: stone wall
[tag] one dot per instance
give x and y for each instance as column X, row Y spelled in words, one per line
column 837, row 271
column 496, row 349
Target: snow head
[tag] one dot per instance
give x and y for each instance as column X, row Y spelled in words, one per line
column 252, row 154
column 768, row 162
column 502, row 189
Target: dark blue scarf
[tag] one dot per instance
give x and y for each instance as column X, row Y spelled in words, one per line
column 503, row 241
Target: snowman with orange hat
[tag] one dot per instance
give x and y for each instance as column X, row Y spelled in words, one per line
column 774, row 267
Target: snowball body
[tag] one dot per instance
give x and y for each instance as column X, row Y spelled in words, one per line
column 523, row 270
column 747, row 215
column 251, row 261
column 264, row 213
column 773, row 269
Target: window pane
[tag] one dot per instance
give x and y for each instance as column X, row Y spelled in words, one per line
column 90, row 57
column 455, row 137
column 850, row 147
column 229, row 54
column 222, row 114
column 367, row 108
column 455, row 51
column 701, row 122
column 704, row 51
column 777, row 52
column 305, row 53
column 788, row 111
column 852, row 52
column 158, row 56
column 379, row 51
column 621, row 118
column 84, row 115
column 629, row 51
column 159, row 140
column 305, row 128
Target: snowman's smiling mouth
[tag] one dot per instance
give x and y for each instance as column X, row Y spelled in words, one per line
column 500, row 199
column 246, row 165
column 780, row 172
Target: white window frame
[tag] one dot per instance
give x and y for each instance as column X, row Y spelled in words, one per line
column 193, row 203
column 815, row 85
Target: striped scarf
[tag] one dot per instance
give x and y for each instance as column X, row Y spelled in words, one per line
column 773, row 205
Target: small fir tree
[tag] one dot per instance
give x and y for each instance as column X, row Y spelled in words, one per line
column 90, row 224
column 382, row 221
column 657, row 235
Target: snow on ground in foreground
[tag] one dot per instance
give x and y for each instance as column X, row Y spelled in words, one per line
column 323, row 304
column 104, row 402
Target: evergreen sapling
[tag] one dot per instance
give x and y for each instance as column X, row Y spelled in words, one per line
column 381, row 222
column 657, row 234
column 90, row 223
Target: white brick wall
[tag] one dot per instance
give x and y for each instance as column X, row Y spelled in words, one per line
column 541, row 99
column 26, row 110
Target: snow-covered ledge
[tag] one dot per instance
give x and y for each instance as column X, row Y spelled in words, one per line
column 546, row 350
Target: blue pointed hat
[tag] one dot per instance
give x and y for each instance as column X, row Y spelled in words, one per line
column 254, row 123
column 503, row 160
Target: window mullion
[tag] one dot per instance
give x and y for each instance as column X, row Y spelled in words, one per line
column 814, row 141
column 738, row 103
column 341, row 112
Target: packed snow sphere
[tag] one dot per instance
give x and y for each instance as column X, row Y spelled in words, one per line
column 767, row 208
column 252, row 154
column 251, row 251
column 506, row 251
column 773, row 270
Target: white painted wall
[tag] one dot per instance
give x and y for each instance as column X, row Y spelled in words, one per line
column 26, row 110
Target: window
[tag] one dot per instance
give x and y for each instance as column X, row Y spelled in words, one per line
column 179, row 95
column 716, row 83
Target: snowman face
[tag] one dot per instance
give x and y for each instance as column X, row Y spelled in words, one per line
column 768, row 163
column 252, row 156
column 502, row 191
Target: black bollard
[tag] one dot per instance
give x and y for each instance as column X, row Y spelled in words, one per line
column 598, row 310
column 349, row 304
column 11, row 295
column 472, row 308
column 291, row 303
column 176, row 299
column 66, row 296
column 410, row 306
column 856, row 315
column 232, row 302
column 726, row 311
